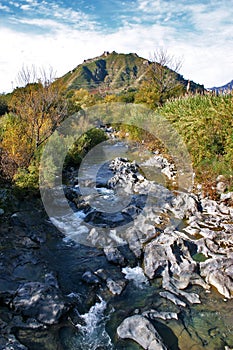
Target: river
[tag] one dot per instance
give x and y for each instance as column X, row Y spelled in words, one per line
column 208, row 325
column 107, row 274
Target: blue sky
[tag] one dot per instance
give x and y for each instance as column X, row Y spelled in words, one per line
column 61, row 34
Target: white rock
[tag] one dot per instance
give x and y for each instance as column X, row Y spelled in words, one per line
column 221, row 187
column 172, row 298
column 139, row 329
column 115, row 287
column 164, row 315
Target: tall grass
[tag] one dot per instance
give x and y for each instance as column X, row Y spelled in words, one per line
column 205, row 122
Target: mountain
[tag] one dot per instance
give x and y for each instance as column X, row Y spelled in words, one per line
column 223, row 89
column 113, row 72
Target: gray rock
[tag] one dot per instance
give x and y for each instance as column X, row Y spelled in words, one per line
column 226, row 196
column 114, row 256
column 168, row 284
column 220, row 178
column 162, row 163
column 102, row 274
column 132, row 235
column 115, row 287
column 123, row 165
column 219, row 273
column 136, row 275
column 156, row 256
column 164, row 315
column 40, row 301
column 184, row 205
column 139, row 329
column 172, row 298
column 90, row 278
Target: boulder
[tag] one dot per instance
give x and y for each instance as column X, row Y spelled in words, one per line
column 168, row 284
column 136, row 274
column 221, row 187
column 41, row 301
column 140, row 329
column 157, row 254
column 162, row 163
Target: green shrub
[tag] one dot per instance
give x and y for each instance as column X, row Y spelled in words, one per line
column 83, row 145
column 27, row 179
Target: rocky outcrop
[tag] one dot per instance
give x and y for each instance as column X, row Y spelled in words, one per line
column 167, row 168
column 30, row 295
column 149, row 231
column 168, row 256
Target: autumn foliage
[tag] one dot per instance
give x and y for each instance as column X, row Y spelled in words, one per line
column 35, row 111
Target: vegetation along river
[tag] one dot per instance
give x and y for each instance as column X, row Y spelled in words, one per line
column 138, row 264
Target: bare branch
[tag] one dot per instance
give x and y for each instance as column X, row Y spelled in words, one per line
column 162, row 79
column 163, row 58
column 33, row 74
column 26, row 75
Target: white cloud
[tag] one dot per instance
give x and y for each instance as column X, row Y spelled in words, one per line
column 40, row 22
column 51, row 10
column 4, row 8
column 26, row 7
column 15, row 4
column 70, row 37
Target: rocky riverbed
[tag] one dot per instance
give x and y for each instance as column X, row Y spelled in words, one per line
column 152, row 271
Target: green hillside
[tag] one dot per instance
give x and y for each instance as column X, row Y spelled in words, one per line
column 112, row 72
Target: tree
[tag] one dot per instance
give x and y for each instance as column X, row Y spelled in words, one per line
column 40, row 106
column 81, row 99
column 162, row 80
column 35, row 112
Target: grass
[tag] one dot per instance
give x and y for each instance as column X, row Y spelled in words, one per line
column 205, row 122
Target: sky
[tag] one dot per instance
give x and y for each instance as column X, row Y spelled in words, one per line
column 61, row 34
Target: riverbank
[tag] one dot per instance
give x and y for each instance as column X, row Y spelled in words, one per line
column 162, row 267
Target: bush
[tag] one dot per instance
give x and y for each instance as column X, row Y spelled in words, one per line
column 27, row 179
column 83, row 145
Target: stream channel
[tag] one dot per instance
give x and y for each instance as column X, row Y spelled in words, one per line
column 206, row 325
column 107, row 279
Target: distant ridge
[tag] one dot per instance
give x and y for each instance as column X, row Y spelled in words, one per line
column 113, row 72
column 222, row 89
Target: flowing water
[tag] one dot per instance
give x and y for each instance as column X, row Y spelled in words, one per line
column 92, row 332
column 208, row 325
